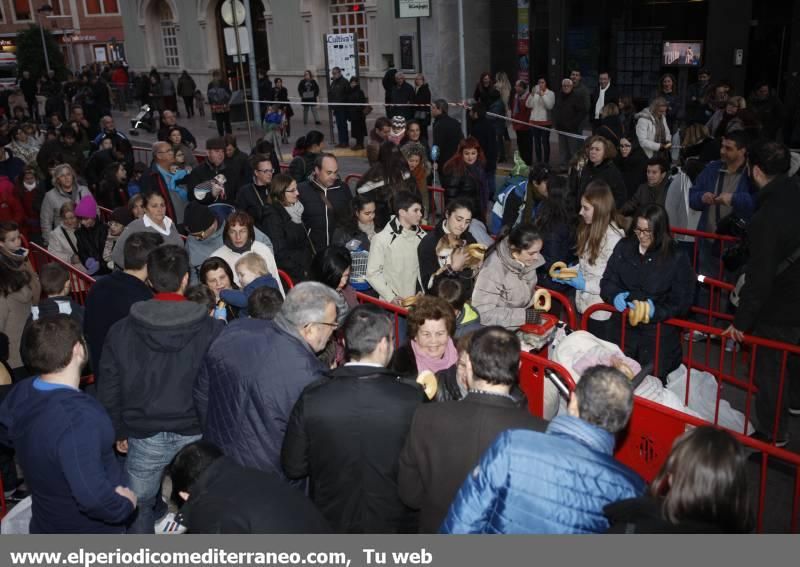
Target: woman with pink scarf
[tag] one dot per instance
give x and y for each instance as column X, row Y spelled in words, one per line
column 431, row 326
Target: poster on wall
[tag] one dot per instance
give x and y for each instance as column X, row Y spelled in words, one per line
column 100, row 54
column 341, row 51
column 523, row 41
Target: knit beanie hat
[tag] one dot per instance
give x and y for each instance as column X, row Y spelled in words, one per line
column 86, row 208
column 198, row 218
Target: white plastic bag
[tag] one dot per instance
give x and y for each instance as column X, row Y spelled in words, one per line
column 18, row 520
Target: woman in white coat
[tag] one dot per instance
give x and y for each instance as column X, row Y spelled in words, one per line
column 541, row 101
column 651, row 128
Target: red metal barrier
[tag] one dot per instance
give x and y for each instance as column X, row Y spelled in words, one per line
column 81, row 282
column 719, row 242
column 396, row 311
column 729, row 368
column 286, row 279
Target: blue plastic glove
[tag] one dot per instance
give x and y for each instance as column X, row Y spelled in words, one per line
column 578, row 282
column 619, row 301
column 92, row 266
column 652, row 308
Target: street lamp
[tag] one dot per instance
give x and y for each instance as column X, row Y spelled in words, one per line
column 44, row 11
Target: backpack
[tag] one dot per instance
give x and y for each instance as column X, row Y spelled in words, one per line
column 516, row 186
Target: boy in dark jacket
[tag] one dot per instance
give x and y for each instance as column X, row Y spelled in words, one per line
column 148, row 367
column 64, row 438
column 56, row 286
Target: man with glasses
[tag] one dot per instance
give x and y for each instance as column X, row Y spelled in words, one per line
column 253, row 197
column 255, row 372
column 363, row 436
column 159, row 178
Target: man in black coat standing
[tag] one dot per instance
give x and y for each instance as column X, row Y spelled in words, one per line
column 769, row 305
column 604, row 94
column 402, row 93
column 345, row 433
column 447, row 439
column 338, row 91
column 447, row 132
column 568, row 116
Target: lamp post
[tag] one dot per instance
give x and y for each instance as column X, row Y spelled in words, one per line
column 44, row 11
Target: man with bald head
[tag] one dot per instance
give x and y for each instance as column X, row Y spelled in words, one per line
column 169, row 121
column 107, row 128
column 158, row 179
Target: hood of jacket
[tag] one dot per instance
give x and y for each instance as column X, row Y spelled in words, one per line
column 645, row 114
column 167, row 326
column 512, row 265
column 21, row 407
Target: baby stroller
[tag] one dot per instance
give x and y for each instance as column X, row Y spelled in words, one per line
column 144, row 119
column 274, row 124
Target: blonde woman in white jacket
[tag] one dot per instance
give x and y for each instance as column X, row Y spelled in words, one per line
column 598, row 235
column 541, row 101
column 651, row 127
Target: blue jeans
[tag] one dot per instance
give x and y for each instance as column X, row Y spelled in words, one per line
column 144, row 468
column 341, row 126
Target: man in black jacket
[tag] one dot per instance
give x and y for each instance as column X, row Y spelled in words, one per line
column 569, row 114
column 149, row 364
column 604, row 94
column 769, row 304
column 338, row 91
column 326, row 201
column 346, row 433
column 447, row 132
column 217, row 496
column 447, row 439
column 110, row 298
column 402, row 93
column 214, row 165
column 253, row 197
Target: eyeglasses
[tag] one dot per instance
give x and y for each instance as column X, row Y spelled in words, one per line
column 642, row 231
column 265, row 170
column 333, row 325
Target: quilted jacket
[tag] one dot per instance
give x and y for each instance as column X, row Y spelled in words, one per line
column 247, row 386
column 546, row 483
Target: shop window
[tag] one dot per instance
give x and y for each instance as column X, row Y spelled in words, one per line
column 348, row 16
column 22, row 10
column 101, row 7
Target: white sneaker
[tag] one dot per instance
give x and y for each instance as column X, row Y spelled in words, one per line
column 168, row 525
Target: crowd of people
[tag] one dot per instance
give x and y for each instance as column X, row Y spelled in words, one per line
column 278, row 408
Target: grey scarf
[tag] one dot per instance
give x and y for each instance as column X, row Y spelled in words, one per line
column 295, row 212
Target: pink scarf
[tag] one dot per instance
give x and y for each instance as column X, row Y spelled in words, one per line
column 425, row 362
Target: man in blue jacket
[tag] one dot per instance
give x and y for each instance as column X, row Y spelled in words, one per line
column 558, row 481
column 64, row 438
column 723, row 187
column 255, row 372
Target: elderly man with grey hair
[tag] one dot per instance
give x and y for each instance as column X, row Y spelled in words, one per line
column 159, row 179
column 558, row 481
column 255, row 372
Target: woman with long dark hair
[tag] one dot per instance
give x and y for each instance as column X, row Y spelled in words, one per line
column 648, row 266
column 505, row 285
column 385, row 179
column 557, row 228
column 701, row 488
column 357, row 231
column 332, row 267
column 442, row 250
column 464, row 176
column 112, row 191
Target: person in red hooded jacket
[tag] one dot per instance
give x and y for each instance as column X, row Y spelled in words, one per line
column 10, row 207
